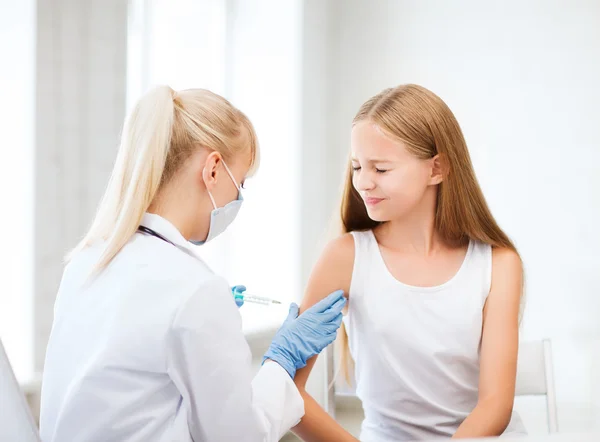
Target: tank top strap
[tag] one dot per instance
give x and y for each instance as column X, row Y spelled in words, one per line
column 365, row 249
column 480, row 268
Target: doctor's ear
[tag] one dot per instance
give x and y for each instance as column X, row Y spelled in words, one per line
column 211, row 169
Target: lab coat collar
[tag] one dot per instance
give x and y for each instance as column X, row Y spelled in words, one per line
column 164, row 227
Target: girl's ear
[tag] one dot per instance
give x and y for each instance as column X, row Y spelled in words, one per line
column 439, row 169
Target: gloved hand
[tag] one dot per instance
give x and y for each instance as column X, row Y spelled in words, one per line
column 302, row 337
column 238, row 290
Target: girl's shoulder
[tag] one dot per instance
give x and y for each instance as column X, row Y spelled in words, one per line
column 342, row 245
column 333, row 270
column 338, row 256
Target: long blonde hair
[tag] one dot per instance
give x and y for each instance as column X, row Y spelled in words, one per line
column 420, row 119
column 163, row 130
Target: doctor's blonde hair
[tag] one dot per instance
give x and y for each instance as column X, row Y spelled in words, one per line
column 163, row 130
column 422, row 121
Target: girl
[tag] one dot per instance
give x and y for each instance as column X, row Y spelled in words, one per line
column 147, row 343
column 434, row 284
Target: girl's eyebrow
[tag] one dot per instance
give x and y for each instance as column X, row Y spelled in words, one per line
column 374, row 160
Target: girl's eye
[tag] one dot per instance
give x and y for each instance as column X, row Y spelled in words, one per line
column 356, row 168
column 381, row 170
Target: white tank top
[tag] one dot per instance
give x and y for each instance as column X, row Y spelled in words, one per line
column 416, row 349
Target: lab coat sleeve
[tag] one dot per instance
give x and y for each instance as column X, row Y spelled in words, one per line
column 210, row 363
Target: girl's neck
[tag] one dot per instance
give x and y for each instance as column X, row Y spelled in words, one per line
column 414, row 232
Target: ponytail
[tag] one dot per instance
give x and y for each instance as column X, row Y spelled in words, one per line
column 136, row 175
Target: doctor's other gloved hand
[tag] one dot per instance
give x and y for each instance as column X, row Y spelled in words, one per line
column 302, row 337
column 237, row 292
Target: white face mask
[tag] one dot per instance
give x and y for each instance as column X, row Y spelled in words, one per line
column 222, row 217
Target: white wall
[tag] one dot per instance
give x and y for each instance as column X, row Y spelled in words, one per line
column 522, row 79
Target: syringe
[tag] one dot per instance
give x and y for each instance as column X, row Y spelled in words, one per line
column 255, row 299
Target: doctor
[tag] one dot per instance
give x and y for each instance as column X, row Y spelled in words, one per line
column 146, row 343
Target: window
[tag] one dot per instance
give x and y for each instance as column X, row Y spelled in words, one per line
column 249, row 53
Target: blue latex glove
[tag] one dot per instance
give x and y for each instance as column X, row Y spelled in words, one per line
column 302, row 337
column 238, row 290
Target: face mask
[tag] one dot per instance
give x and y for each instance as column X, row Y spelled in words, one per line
column 222, row 217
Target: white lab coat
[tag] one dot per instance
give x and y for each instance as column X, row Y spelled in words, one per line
column 153, row 350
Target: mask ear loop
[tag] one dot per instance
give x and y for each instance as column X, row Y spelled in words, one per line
column 231, row 176
column 212, row 200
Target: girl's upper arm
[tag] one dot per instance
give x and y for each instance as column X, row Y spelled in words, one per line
column 333, row 271
column 500, row 339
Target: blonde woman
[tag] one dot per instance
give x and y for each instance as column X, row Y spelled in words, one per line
column 146, row 343
column 434, row 283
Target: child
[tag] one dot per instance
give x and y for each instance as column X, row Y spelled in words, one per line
column 434, row 284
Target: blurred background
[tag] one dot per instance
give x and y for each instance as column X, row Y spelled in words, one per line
column 520, row 76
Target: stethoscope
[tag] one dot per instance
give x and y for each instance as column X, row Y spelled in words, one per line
column 151, row 232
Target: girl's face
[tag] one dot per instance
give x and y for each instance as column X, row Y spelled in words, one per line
column 391, row 180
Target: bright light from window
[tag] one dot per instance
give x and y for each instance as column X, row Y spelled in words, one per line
column 17, row 114
column 251, row 55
